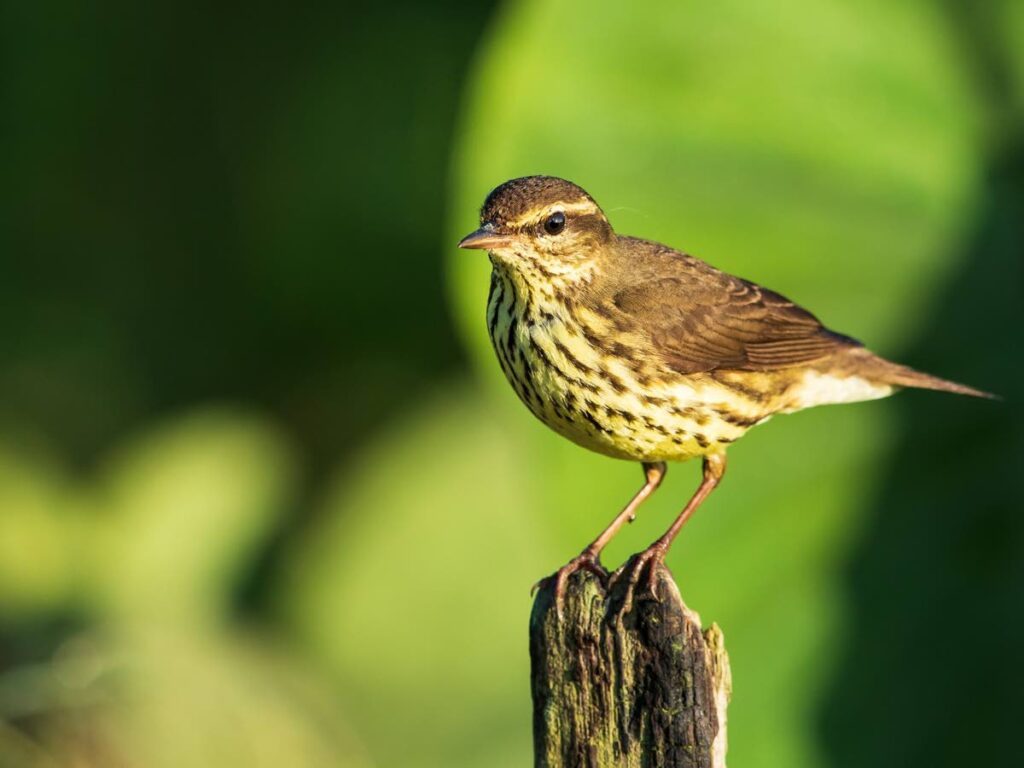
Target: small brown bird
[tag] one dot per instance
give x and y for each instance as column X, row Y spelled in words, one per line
column 637, row 351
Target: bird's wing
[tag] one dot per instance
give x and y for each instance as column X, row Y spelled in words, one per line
column 698, row 319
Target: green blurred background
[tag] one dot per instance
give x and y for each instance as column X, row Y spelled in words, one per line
column 264, row 498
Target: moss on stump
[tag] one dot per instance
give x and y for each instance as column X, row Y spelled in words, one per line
column 648, row 689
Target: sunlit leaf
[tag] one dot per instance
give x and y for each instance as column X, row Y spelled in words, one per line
column 826, row 149
column 414, row 587
column 38, row 535
column 184, row 508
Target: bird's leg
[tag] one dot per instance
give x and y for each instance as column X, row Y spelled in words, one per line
column 654, row 556
column 590, row 558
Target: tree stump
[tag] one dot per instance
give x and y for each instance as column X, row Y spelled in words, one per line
column 648, row 689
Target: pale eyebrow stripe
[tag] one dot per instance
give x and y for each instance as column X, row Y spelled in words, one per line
column 582, row 207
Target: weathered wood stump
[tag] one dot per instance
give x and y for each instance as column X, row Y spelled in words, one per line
column 648, row 689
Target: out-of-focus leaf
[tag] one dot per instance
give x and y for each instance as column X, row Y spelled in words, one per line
column 1009, row 43
column 186, row 506
column 156, row 697
column 18, row 751
column 37, row 536
column 825, row 149
column 409, row 586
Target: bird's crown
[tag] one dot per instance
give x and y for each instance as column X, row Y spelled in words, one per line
column 520, row 200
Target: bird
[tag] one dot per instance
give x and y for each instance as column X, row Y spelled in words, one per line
column 638, row 351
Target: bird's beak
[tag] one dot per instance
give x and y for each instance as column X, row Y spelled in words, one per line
column 485, row 239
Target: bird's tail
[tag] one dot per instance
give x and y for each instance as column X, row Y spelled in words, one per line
column 904, row 376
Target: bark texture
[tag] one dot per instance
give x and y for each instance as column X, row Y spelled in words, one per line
column 644, row 690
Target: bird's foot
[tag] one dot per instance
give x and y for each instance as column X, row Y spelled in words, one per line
column 587, row 560
column 650, row 560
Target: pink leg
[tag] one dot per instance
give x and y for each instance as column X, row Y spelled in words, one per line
column 654, row 556
column 590, row 558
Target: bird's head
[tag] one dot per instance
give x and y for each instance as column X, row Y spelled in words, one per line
column 541, row 225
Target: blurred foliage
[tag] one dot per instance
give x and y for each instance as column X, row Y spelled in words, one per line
column 826, row 150
column 415, row 590
column 176, row 513
column 255, row 508
column 161, row 698
column 195, row 205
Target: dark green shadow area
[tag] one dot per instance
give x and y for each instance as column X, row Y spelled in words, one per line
column 205, row 203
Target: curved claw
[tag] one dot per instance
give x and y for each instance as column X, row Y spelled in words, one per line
column 650, row 559
column 585, row 561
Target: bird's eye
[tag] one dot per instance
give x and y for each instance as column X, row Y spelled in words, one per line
column 554, row 223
